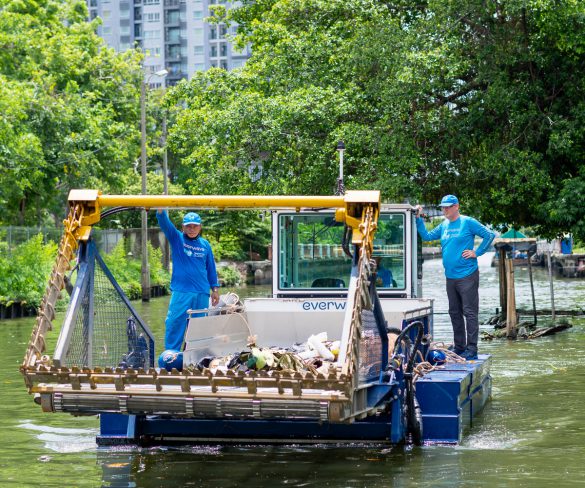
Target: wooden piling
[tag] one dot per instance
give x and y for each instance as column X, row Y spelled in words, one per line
column 552, row 292
column 532, row 287
column 511, row 321
column 503, row 288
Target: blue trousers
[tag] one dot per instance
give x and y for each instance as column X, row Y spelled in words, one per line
column 176, row 322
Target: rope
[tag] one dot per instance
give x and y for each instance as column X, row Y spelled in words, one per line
column 452, row 357
column 423, row 368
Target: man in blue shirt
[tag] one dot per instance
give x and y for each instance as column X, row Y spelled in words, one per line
column 384, row 277
column 194, row 274
column 457, row 233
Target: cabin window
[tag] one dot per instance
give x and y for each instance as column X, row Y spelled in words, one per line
column 389, row 251
column 311, row 254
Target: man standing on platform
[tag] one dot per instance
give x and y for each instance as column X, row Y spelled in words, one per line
column 194, row 274
column 457, row 233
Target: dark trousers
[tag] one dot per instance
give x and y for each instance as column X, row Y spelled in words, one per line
column 463, row 297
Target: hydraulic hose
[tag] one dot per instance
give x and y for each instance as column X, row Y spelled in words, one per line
column 413, row 421
column 115, row 210
column 403, row 335
column 346, row 240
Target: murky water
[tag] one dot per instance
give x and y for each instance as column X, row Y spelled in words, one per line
column 532, row 434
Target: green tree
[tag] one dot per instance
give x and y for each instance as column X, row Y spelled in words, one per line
column 69, row 105
column 482, row 99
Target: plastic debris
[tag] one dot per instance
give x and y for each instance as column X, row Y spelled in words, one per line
column 316, row 355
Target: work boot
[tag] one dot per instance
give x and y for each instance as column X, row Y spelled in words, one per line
column 469, row 354
column 456, row 350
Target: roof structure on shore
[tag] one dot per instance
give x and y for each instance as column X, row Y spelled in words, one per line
column 513, row 234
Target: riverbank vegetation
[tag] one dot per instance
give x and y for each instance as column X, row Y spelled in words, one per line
column 25, row 270
column 126, row 269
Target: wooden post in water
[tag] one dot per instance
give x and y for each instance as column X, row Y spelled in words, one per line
column 503, row 286
column 532, row 286
column 511, row 321
column 550, row 279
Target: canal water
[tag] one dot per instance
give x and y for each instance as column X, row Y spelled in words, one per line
column 532, row 433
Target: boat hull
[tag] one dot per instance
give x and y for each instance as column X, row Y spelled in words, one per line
column 449, row 398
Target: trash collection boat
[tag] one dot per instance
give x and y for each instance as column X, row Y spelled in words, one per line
column 338, row 353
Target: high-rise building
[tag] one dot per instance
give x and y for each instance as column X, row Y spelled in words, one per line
column 172, row 33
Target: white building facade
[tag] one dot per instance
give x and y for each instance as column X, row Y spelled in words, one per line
column 172, row 33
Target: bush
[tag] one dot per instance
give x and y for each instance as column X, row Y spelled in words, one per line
column 230, row 247
column 229, row 275
column 25, row 273
column 127, row 269
column 158, row 275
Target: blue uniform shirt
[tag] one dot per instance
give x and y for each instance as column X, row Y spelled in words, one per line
column 385, row 277
column 193, row 263
column 456, row 237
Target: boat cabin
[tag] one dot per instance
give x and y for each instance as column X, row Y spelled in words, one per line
column 309, row 259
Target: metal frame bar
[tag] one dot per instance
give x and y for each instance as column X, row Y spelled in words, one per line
column 85, row 256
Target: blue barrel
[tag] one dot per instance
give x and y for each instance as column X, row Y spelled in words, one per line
column 567, row 245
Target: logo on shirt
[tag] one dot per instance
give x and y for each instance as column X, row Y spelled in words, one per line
column 196, row 251
column 449, row 233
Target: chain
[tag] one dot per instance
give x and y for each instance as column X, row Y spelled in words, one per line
column 46, row 314
column 362, row 297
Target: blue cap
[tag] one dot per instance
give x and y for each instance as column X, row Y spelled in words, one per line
column 449, row 200
column 191, row 218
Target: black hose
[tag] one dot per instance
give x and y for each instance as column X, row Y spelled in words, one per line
column 416, row 345
column 345, row 242
column 115, row 210
column 413, row 419
column 403, row 335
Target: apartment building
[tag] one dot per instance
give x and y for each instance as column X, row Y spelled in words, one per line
column 172, row 33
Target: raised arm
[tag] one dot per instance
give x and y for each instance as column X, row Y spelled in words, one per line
column 426, row 235
column 170, row 231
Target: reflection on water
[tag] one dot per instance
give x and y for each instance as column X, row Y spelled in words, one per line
column 531, row 435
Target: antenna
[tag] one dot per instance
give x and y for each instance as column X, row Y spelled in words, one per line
column 340, row 187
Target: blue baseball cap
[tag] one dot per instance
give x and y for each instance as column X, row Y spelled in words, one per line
column 191, row 218
column 449, row 200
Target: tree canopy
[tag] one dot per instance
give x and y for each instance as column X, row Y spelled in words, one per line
column 481, row 99
column 69, row 108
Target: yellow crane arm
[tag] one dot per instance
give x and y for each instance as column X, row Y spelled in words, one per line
column 349, row 207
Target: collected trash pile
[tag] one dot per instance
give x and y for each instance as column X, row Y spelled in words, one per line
column 316, row 355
